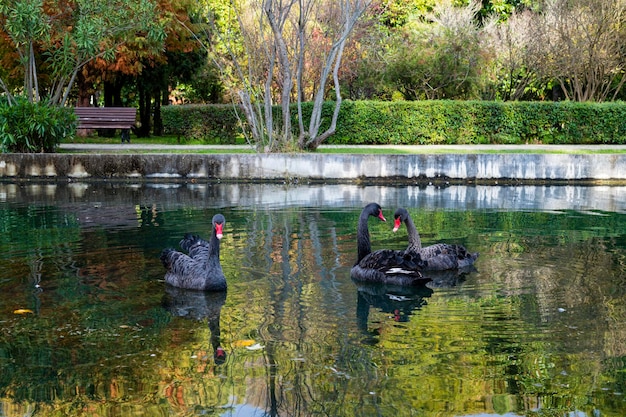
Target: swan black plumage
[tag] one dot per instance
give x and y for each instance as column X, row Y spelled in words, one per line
column 383, row 266
column 437, row 257
column 200, row 268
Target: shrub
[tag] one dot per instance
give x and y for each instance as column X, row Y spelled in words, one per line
column 27, row 127
column 430, row 122
column 466, row 122
column 208, row 123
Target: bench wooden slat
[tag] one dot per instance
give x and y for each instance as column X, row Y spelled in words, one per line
column 105, row 117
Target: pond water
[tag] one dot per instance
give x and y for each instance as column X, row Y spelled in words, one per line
column 90, row 329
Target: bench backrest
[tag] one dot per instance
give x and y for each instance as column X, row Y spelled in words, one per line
column 105, row 117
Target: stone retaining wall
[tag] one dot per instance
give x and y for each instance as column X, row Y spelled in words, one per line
column 454, row 168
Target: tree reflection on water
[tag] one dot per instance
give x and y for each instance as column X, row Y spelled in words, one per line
column 537, row 329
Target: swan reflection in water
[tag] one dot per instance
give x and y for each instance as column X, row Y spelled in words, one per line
column 199, row 305
column 448, row 278
column 400, row 301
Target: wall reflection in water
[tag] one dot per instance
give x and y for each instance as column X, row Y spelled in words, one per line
column 89, row 327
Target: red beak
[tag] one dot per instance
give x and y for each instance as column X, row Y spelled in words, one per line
column 396, row 224
column 218, row 230
column 381, row 217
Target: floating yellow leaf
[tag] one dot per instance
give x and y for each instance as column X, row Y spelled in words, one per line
column 23, row 311
column 243, row 343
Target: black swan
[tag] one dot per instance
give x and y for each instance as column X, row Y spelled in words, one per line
column 383, row 266
column 200, row 269
column 437, row 257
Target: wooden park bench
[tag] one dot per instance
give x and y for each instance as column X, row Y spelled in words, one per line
column 107, row 118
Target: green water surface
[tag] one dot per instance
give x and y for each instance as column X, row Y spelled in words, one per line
column 88, row 328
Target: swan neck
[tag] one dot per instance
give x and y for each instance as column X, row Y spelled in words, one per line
column 214, row 245
column 363, row 238
column 415, row 242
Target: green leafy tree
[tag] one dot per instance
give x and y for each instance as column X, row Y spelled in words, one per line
column 63, row 37
column 144, row 76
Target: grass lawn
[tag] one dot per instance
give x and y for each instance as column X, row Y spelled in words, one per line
column 347, row 149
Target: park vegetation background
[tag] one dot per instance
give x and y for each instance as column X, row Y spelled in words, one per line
column 275, row 73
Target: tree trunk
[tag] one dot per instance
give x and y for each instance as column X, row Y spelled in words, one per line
column 157, row 130
column 145, row 99
column 312, row 139
column 113, row 93
column 85, row 90
column 277, row 24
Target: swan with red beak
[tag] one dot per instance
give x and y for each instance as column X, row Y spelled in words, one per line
column 199, row 268
column 384, row 266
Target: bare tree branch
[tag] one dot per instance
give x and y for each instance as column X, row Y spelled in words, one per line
column 585, row 47
column 277, row 49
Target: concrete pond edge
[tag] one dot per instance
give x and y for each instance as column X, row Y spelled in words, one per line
column 352, row 168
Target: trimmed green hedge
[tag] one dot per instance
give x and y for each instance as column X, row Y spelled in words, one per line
column 209, row 123
column 467, row 122
column 431, row 122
